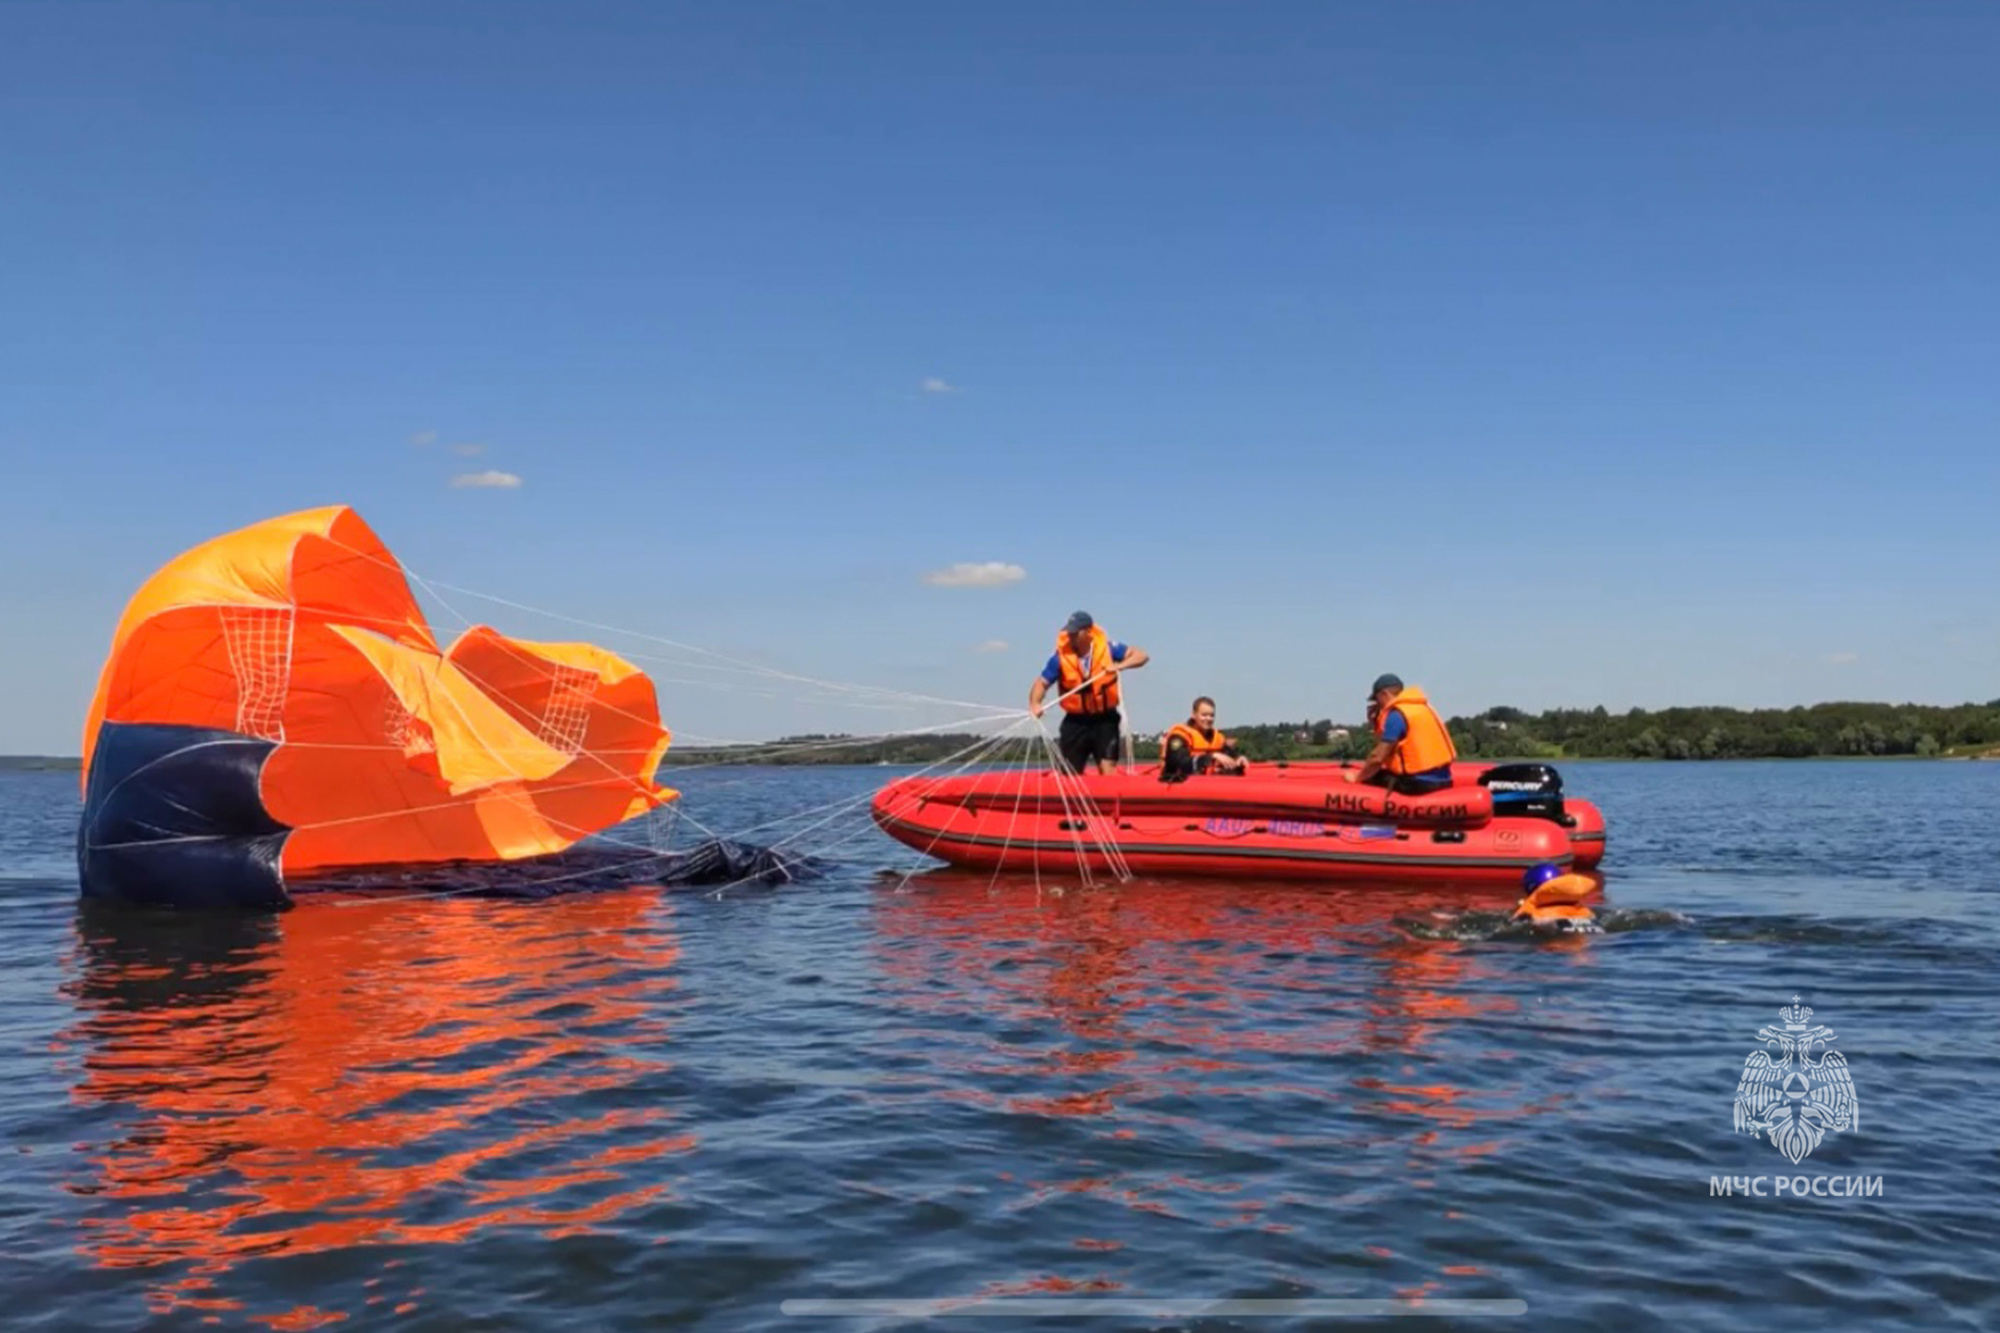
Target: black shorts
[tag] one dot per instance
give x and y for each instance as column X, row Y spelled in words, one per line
column 1087, row 736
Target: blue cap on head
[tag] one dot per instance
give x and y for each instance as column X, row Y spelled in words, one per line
column 1537, row 875
column 1080, row 620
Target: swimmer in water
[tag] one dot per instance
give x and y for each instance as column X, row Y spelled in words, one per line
column 1554, row 905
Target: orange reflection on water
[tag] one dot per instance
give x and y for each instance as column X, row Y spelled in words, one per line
column 382, row 1072
column 1176, row 966
column 1161, row 1008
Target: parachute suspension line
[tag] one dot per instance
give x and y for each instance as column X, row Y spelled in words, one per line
column 260, row 649
column 1018, row 793
column 756, row 751
column 1070, row 789
column 753, row 668
column 963, row 758
column 259, row 639
column 1007, row 842
column 1020, row 788
column 556, row 724
column 1075, row 794
column 650, row 852
column 448, row 804
column 1059, row 766
column 958, row 759
column 992, row 747
column 968, row 756
column 521, row 798
column 1124, row 723
column 662, row 820
column 652, row 834
column 879, row 692
column 433, row 588
column 565, row 716
column 1093, row 822
column 836, row 808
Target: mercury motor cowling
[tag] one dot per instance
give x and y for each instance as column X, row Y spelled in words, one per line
column 1530, row 791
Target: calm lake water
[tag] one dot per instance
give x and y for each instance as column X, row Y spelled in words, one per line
column 688, row 1108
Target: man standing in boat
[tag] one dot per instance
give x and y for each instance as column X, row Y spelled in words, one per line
column 1413, row 751
column 1086, row 665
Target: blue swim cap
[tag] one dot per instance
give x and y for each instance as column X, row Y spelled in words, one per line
column 1537, row 875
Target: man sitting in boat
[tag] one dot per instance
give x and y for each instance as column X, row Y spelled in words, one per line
column 1195, row 746
column 1086, row 663
column 1413, row 750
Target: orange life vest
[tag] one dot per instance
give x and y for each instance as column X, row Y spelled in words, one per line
column 1197, row 743
column 1426, row 745
column 1101, row 695
column 1559, row 900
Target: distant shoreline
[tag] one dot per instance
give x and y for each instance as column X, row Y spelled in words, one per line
column 1560, row 735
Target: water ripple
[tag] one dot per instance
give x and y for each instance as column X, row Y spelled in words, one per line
column 637, row 1108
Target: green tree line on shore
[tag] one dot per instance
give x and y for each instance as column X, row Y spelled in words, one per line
column 1856, row 730
column 1845, row 730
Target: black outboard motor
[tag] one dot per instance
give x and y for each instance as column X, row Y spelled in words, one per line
column 1525, row 790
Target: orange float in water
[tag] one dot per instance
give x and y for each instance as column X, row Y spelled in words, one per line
column 1557, row 901
column 274, row 707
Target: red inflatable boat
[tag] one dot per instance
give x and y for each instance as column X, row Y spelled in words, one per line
column 1278, row 821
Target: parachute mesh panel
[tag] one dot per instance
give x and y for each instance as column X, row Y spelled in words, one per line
column 570, row 692
column 661, row 822
column 260, row 654
column 404, row 731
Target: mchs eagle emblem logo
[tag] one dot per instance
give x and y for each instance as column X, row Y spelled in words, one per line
column 1796, row 1090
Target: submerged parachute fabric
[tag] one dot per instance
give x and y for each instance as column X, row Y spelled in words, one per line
column 274, row 698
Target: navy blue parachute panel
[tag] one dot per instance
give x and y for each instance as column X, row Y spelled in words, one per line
column 172, row 817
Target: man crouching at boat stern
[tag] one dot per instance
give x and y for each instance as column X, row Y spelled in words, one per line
column 1087, row 664
column 1195, row 746
column 1413, row 751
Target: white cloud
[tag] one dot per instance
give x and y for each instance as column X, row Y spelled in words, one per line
column 992, row 646
column 468, row 450
column 1842, row 659
column 424, row 437
column 506, row 480
column 936, row 385
column 992, row 574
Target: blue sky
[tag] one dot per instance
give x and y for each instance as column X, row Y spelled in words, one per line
column 1542, row 353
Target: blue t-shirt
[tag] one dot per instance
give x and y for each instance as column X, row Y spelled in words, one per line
column 1053, row 671
column 1394, row 728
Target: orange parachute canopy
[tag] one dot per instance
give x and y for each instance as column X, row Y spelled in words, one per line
column 383, row 749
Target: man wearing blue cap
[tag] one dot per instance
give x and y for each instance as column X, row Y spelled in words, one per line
column 1086, row 663
column 1413, row 752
